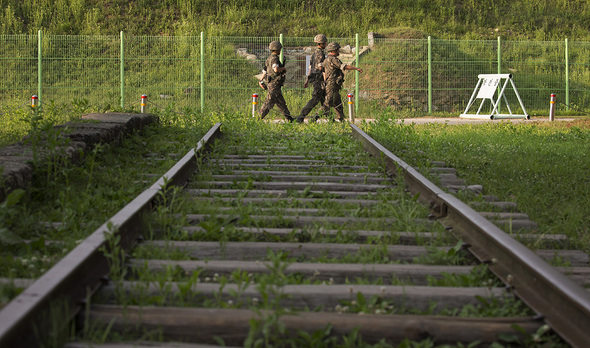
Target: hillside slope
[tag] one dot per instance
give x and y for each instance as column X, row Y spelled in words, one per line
column 518, row 19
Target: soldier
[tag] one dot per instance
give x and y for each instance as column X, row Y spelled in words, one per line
column 315, row 77
column 334, row 78
column 273, row 77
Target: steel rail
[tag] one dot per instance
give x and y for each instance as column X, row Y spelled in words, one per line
column 564, row 305
column 59, row 293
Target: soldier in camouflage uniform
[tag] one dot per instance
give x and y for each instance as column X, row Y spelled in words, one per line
column 334, row 78
column 315, row 77
column 273, row 77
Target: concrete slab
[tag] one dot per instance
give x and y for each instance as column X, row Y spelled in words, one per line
column 134, row 121
column 14, row 175
column 17, row 163
column 93, row 133
column 16, row 150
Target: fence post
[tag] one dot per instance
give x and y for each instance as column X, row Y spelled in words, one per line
column 143, row 103
column 122, row 70
column 350, row 109
column 499, row 55
column 499, row 69
column 39, row 64
column 356, row 79
column 552, row 107
column 202, row 73
column 254, row 103
column 429, row 75
column 567, row 76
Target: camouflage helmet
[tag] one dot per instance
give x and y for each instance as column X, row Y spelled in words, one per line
column 333, row 46
column 320, row 38
column 275, row 46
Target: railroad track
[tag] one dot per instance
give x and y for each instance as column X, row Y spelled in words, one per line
column 294, row 239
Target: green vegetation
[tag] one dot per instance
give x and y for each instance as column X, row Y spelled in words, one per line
column 395, row 80
column 541, row 166
column 38, row 123
column 243, row 133
column 102, row 178
column 162, row 52
column 522, row 19
column 67, row 202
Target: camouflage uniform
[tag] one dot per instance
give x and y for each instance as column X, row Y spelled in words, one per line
column 274, row 82
column 317, row 80
column 334, row 71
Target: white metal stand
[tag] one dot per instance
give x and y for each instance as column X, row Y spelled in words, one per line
column 485, row 90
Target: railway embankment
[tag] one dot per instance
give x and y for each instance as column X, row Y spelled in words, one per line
column 64, row 143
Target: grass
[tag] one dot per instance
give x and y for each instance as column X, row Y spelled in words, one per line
column 245, row 133
column 104, row 182
column 68, row 202
column 395, row 77
column 24, row 121
column 540, row 166
column 157, row 64
column 530, row 19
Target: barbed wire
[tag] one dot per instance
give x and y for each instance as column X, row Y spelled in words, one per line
column 129, row 105
column 16, row 108
column 163, row 108
column 239, row 106
column 586, row 112
column 232, row 109
column 329, row 112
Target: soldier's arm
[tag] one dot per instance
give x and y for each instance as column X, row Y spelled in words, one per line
column 278, row 68
column 350, row 67
column 276, row 64
column 261, row 81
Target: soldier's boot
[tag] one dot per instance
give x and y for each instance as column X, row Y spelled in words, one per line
column 290, row 119
column 300, row 119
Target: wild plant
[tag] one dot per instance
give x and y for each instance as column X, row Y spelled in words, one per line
column 91, row 164
column 9, row 214
column 94, row 331
column 543, row 337
column 480, row 275
column 47, row 142
column 243, row 280
column 164, row 283
column 187, row 289
column 168, row 200
column 361, row 305
column 115, row 257
column 268, row 330
column 436, row 256
column 52, row 327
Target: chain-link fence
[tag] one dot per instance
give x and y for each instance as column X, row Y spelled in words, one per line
column 417, row 76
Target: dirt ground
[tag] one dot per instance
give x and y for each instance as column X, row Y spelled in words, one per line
column 457, row 120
